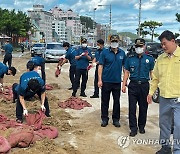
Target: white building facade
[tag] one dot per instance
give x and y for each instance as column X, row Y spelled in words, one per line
column 42, row 23
column 72, row 21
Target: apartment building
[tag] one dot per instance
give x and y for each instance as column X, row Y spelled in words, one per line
column 42, row 23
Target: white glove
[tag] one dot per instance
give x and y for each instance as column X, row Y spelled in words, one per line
column 25, row 112
column 94, row 64
column 62, row 57
column 43, row 108
column 1, row 87
column 83, row 54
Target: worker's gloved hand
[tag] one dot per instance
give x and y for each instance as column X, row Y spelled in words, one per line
column 82, row 54
column 25, row 112
column 43, row 108
column 59, row 67
column 1, row 87
column 94, row 64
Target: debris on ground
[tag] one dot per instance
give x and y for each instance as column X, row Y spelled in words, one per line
column 74, row 103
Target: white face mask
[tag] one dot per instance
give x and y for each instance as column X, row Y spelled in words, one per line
column 139, row 50
column 98, row 47
column 114, row 45
column 84, row 45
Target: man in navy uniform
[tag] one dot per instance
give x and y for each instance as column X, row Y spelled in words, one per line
column 39, row 62
column 100, row 48
column 83, row 56
column 111, row 62
column 30, row 84
column 8, row 53
column 70, row 55
column 5, row 70
column 138, row 69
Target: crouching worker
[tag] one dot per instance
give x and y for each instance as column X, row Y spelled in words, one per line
column 30, row 84
column 5, row 70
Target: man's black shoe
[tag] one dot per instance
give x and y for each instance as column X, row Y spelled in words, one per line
column 164, row 150
column 70, row 88
column 142, row 131
column 48, row 115
column 83, row 95
column 116, row 124
column 19, row 121
column 132, row 134
column 94, row 96
column 104, row 123
column 74, row 94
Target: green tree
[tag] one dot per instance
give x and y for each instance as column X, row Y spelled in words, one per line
column 178, row 17
column 14, row 24
column 149, row 28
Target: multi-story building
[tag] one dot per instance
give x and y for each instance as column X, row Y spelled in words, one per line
column 59, row 27
column 72, row 21
column 42, row 23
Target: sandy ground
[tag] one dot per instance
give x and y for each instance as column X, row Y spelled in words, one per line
column 80, row 130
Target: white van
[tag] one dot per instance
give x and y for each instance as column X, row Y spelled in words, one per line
column 54, row 51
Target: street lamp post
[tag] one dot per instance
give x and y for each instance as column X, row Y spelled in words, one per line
column 94, row 27
column 139, row 25
column 110, row 16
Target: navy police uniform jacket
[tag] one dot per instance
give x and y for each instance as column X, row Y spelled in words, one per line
column 70, row 55
column 83, row 62
column 112, row 65
column 22, row 89
column 139, row 68
column 3, row 69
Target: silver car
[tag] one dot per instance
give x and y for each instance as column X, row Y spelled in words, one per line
column 37, row 49
column 54, row 51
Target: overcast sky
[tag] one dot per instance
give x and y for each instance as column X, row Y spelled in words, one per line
column 124, row 12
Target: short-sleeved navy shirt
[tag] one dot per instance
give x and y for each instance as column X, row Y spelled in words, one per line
column 70, row 55
column 97, row 54
column 3, row 69
column 8, row 48
column 24, row 79
column 83, row 62
column 37, row 60
column 112, row 65
column 139, row 68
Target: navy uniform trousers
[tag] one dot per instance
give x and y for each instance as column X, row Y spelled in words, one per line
column 84, row 74
column 137, row 92
column 107, row 88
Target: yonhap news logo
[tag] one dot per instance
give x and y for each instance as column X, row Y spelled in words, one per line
column 125, row 141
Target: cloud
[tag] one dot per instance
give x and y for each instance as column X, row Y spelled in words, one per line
column 6, row 6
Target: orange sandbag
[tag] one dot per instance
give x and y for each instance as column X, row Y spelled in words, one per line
column 22, row 137
column 35, row 120
column 4, row 145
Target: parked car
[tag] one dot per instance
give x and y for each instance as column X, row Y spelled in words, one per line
column 153, row 49
column 130, row 49
column 37, row 49
column 53, row 51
